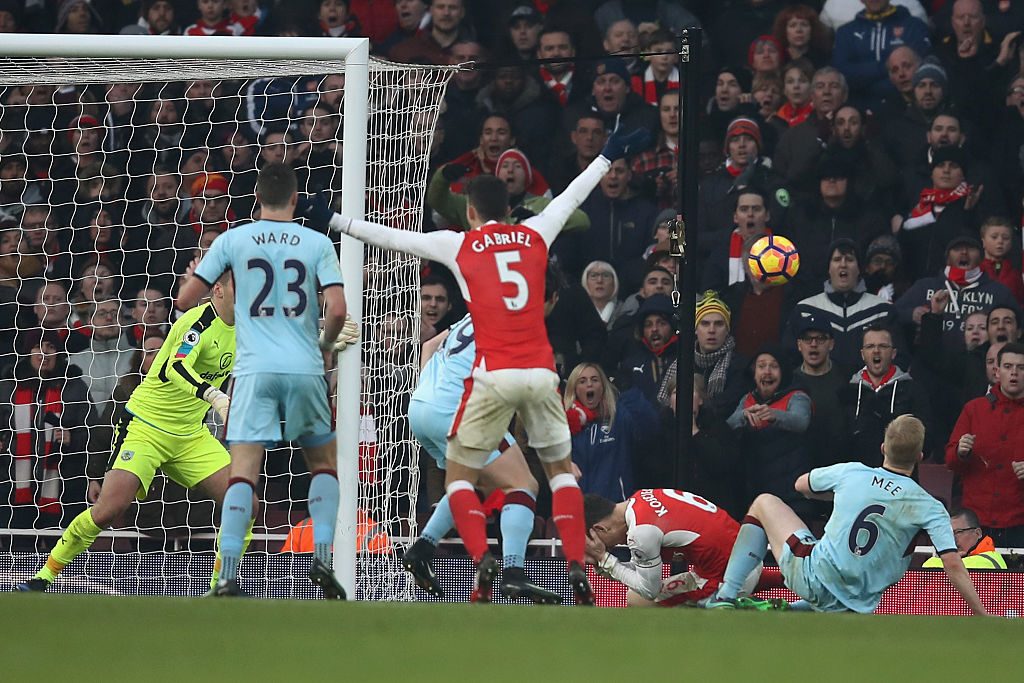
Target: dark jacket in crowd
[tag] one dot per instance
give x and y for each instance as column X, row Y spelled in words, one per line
column 847, row 314
column 606, row 453
column 870, row 410
column 863, row 45
column 828, row 433
column 776, row 454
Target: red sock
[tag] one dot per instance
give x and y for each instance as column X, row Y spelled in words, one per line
column 470, row 521
column 567, row 510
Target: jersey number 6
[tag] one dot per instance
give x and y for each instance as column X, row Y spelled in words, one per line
column 511, row 277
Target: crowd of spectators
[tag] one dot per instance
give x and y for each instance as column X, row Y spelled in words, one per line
column 884, row 138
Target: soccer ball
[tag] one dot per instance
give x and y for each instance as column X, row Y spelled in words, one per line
column 773, row 260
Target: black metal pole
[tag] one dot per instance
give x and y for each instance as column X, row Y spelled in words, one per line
column 684, row 248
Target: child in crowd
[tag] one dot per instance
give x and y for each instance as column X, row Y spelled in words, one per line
column 997, row 239
column 211, row 20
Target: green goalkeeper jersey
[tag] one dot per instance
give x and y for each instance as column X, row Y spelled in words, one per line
column 198, row 353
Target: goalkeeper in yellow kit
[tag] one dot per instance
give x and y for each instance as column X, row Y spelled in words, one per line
column 162, row 427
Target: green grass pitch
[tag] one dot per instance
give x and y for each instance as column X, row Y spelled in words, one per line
column 94, row 638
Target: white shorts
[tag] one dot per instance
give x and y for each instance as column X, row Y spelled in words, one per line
column 493, row 397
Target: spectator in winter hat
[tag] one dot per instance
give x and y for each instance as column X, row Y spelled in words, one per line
column 210, row 203
column 765, row 55
column 10, row 16
column 905, row 135
column 524, row 26
column 78, row 16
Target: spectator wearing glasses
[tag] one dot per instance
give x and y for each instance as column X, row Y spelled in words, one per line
column 877, row 393
column 823, row 380
column 977, row 548
column 844, row 305
column 602, row 285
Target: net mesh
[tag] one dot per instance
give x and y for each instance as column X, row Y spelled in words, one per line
column 114, row 175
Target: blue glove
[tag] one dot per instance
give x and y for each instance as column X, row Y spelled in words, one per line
column 315, row 210
column 621, row 144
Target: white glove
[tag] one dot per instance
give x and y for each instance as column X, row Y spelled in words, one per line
column 219, row 400
column 348, row 335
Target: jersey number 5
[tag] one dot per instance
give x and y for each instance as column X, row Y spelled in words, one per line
column 257, row 309
column 504, row 259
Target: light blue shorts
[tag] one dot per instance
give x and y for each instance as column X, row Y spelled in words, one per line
column 261, row 403
column 430, row 425
column 797, row 566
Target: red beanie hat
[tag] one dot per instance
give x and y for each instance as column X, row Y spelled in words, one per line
column 762, row 39
column 743, row 126
column 521, row 158
column 80, row 122
column 209, row 181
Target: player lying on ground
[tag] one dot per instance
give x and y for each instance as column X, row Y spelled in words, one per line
column 658, row 525
column 278, row 267
column 162, row 427
column 501, row 271
column 447, row 364
column 868, row 539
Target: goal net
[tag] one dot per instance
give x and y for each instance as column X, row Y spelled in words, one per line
column 115, row 173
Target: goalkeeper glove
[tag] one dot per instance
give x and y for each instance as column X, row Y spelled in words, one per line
column 219, row 400
column 347, row 337
column 621, row 144
column 315, row 210
column 453, row 172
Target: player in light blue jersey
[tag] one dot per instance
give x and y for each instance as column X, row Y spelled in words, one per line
column 868, row 539
column 447, row 362
column 279, row 267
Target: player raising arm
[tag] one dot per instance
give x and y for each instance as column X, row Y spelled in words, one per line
column 162, row 427
column 866, row 548
column 278, row 268
column 657, row 525
column 501, row 271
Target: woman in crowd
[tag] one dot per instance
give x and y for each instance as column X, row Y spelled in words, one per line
column 607, row 433
column 602, row 285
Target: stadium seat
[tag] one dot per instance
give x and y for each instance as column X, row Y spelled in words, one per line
column 937, row 480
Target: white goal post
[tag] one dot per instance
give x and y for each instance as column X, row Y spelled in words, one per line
column 388, row 119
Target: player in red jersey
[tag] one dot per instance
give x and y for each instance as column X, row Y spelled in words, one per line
column 657, row 525
column 501, row 271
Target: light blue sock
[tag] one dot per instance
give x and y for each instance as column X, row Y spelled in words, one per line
column 439, row 524
column 324, row 495
column 234, row 522
column 516, row 527
column 751, row 546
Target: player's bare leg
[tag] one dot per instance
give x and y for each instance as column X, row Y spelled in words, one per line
column 511, row 474
column 634, row 599
column 461, row 477
column 236, row 513
column 117, row 493
column 321, row 457
column 214, row 487
column 567, row 511
column 769, row 521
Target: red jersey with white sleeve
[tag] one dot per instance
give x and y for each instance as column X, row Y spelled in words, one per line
column 664, row 523
column 504, row 268
column 500, row 269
